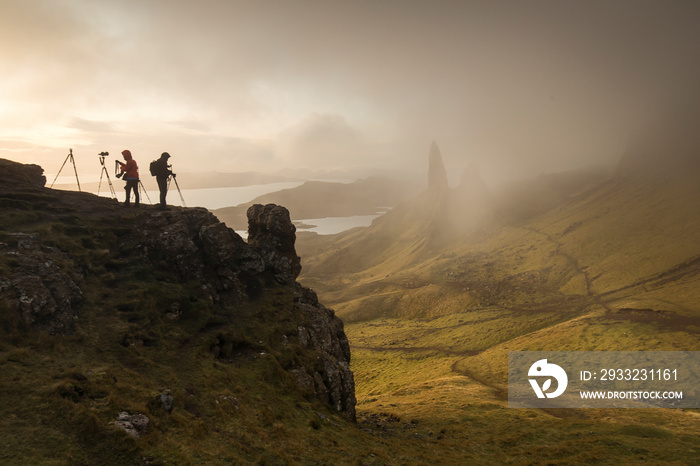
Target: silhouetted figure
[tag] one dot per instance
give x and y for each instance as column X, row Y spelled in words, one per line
column 130, row 171
column 161, row 170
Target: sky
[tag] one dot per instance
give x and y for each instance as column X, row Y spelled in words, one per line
column 518, row 87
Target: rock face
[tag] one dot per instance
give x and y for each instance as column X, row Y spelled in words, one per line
column 437, row 175
column 40, row 292
column 41, row 284
column 199, row 247
column 332, row 380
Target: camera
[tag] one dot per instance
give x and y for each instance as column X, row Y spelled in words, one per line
column 117, row 165
column 103, row 154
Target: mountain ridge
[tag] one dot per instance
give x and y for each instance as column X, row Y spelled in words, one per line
column 398, row 246
column 319, row 199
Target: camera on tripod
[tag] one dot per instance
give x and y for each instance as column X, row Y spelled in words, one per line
column 103, row 154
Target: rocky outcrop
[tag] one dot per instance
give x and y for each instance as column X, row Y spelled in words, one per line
column 41, row 282
column 437, row 175
column 272, row 233
column 331, row 381
column 21, row 176
column 199, row 247
column 433, row 207
column 195, row 244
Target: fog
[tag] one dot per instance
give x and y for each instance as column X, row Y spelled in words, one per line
column 517, row 87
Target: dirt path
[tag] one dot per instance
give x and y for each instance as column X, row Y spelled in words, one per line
column 573, row 262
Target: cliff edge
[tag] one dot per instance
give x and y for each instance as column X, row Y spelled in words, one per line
column 78, row 265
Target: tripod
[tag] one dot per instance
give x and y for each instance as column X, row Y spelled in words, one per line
column 172, row 177
column 103, row 172
column 142, row 189
column 72, row 160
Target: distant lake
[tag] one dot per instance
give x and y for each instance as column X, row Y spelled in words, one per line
column 333, row 225
column 217, row 198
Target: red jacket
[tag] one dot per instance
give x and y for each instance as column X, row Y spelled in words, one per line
column 130, row 168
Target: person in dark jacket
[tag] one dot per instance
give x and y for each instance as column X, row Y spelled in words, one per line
column 130, row 171
column 162, row 172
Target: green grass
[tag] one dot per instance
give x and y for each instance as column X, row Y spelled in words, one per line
column 457, row 402
column 61, row 393
column 430, row 333
column 429, row 329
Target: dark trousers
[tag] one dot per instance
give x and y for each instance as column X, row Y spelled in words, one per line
column 163, row 187
column 132, row 184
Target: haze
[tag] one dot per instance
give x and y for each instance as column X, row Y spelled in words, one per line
column 519, row 87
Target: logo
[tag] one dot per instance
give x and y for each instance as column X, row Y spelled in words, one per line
column 542, row 368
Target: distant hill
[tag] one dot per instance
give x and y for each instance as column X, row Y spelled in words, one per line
column 440, row 216
column 319, row 199
column 583, row 234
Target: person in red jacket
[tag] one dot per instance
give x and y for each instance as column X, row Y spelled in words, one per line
column 130, row 170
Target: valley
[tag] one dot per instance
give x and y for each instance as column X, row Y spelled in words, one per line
column 613, row 267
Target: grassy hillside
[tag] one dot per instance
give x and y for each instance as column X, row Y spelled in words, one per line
column 428, row 335
column 625, row 238
column 614, row 267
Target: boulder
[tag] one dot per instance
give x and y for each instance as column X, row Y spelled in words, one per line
column 135, row 425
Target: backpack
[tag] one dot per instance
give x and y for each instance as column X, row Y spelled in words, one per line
column 155, row 168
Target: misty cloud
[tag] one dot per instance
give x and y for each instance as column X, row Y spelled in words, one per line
column 322, row 141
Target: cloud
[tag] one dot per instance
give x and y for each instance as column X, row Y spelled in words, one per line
column 91, row 126
column 322, row 141
column 520, row 87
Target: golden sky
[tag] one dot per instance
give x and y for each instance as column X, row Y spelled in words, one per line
column 519, row 87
